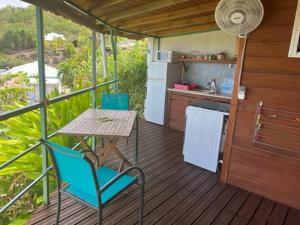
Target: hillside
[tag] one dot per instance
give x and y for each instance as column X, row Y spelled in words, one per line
column 12, row 19
column 18, row 34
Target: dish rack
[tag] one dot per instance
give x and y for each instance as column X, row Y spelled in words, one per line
column 277, row 131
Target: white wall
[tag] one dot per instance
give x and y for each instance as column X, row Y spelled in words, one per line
column 206, row 43
column 202, row 43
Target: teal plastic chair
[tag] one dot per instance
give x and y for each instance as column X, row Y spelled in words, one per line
column 94, row 187
column 118, row 101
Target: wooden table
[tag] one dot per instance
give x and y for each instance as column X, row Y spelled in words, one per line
column 109, row 124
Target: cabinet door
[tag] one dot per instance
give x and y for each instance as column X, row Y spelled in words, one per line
column 177, row 111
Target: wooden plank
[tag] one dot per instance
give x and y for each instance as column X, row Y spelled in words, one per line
column 94, row 6
column 156, row 197
column 138, row 10
column 164, row 32
column 254, row 170
column 268, row 49
column 193, row 213
column 179, row 23
column 178, row 116
column 178, row 107
column 228, row 213
column 279, row 4
column 125, row 200
column 161, row 187
column 278, row 17
column 262, row 214
column 233, row 111
column 65, row 214
column 293, row 217
column 176, row 126
column 246, row 212
column 155, row 215
column 117, row 205
column 274, row 96
column 278, row 214
column 217, row 206
column 272, row 65
column 274, row 81
column 173, row 215
column 40, row 217
column 272, row 33
column 202, row 8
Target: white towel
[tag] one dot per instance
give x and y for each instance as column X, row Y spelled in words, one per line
column 202, row 137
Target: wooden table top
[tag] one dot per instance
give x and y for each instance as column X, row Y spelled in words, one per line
column 99, row 122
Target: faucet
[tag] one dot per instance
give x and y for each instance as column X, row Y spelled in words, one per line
column 212, row 86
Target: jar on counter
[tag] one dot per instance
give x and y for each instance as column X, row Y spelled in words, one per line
column 221, row 56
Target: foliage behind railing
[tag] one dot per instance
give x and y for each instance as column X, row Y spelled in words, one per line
column 19, row 133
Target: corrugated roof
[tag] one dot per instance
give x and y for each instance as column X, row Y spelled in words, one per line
column 32, row 70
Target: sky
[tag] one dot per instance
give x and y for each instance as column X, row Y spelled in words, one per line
column 16, row 3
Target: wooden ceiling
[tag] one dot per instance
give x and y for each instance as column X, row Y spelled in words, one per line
column 138, row 18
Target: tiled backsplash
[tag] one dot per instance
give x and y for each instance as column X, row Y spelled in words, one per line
column 202, row 73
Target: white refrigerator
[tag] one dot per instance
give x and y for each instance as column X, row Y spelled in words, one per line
column 161, row 76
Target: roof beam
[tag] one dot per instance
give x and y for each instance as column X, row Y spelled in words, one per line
column 96, row 6
column 138, row 10
column 185, row 30
column 199, row 20
column 162, row 17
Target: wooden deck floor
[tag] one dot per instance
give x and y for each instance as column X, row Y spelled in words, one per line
column 176, row 193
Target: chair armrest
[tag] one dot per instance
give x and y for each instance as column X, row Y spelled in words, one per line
column 112, row 181
column 93, row 154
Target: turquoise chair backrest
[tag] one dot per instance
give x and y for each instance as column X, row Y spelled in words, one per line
column 73, row 168
column 118, row 101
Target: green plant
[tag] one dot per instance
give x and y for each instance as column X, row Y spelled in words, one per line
column 17, row 40
column 8, row 61
column 132, row 75
column 19, row 133
column 13, row 88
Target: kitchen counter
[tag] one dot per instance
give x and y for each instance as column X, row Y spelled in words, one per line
column 206, row 93
column 178, row 100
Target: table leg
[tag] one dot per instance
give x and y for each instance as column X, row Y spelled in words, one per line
column 121, row 166
column 83, row 143
column 104, row 152
column 121, row 156
column 110, row 147
column 85, row 146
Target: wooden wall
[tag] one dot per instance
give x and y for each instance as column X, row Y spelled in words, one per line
column 270, row 76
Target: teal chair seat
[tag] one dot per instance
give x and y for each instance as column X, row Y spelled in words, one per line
column 104, row 175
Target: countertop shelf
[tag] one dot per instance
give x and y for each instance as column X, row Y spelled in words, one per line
column 208, row 61
column 201, row 92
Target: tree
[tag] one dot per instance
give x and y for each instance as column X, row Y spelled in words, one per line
column 17, row 40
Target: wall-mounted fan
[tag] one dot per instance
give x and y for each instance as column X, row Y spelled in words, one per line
column 239, row 17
